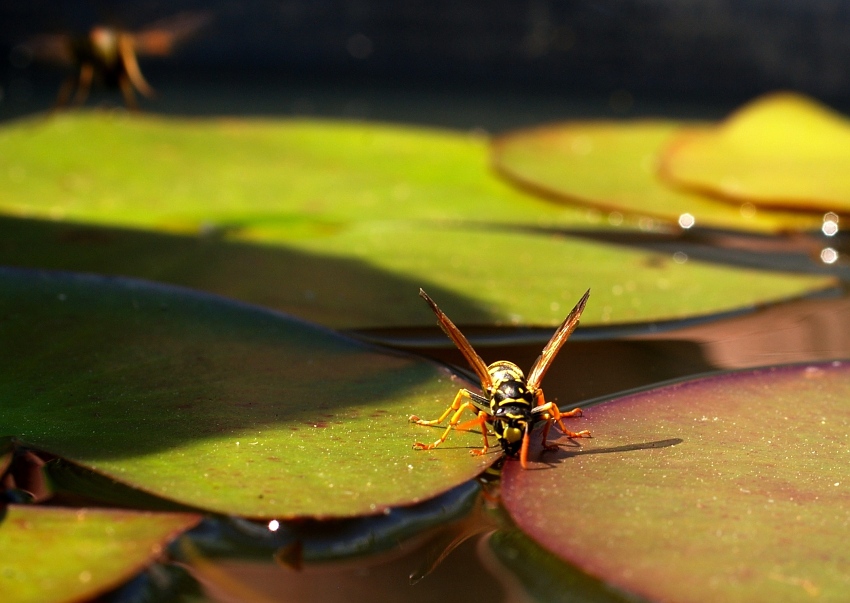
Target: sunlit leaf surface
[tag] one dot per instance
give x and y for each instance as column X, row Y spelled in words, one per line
column 51, row 554
column 613, row 166
column 219, row 405
column 782, row 150
column 308, row 175
column 368, row 275
column 727, row 488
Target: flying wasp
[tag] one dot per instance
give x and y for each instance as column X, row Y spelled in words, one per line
column 512, row 403
column 109, row 55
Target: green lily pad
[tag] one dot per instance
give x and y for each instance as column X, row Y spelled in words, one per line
column 782, row 150
column 311, row 176
column 732, row 487
column 367, row 275
column 219, row 405
column 612, row 166
column 509, row 277
column 51, row 554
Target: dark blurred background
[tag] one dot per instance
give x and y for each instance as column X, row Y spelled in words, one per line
column 489, row 64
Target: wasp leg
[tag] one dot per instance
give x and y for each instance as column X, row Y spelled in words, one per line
column 553, row 415
column 458, row 406
column 84, row 83
column 541, row 401
column 523, row 453
column 461, row 394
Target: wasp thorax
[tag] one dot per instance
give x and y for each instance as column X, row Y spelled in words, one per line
column 503, row 370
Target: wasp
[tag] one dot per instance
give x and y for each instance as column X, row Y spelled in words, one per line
column 109, row 55
column 512, row 403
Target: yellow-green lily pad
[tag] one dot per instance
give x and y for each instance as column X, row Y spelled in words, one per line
column 732, row 487
column 219, row 405
column 56, row 555
column 307, row 175
column 613, row 166
column 782, row 151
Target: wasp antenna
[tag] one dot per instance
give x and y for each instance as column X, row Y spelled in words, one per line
column 541, row 365
column 461, row 342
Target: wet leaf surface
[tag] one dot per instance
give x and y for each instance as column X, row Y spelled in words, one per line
column 309, row 176
column 367, row 276
column 218, row 405
column 727, row 488
column 51, row 554
column 613, row 166
column 782, row 150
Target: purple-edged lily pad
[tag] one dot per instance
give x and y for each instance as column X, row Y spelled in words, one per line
column 733, row 487
column 52, row 554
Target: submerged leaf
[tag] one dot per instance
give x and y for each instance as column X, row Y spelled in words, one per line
column 781, row 150
column 51, row 554
column 218, row 405
column 612, row 166
column 732, row 487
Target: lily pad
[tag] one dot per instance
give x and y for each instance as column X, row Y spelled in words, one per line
column 367, row 275
column 486, row 269
column 51, row 554
column 310, row 176
column 732, row 487
column 782, row 151
column 219, row 405
column 613, row 165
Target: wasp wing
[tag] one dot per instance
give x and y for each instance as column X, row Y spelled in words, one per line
column 541, row 365
column 461, row 342
column 161, row 38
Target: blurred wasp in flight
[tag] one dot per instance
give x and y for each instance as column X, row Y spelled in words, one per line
column 108, row 56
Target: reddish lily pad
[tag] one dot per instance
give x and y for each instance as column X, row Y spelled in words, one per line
column 50, row 554
column 781, row 151
column 732, row 487
column 219, row 405
column 612, row 166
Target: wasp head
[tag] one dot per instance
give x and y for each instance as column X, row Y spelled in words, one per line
column 511, row 422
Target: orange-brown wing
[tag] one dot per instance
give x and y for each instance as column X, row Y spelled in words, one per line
column 461, row 342
column 160, row 38
column 541, row 365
